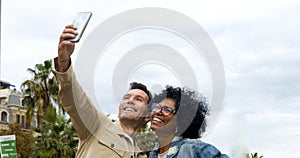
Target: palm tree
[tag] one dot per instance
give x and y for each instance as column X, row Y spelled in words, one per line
column 40, row 92
column 58, row 137
column 255, row 155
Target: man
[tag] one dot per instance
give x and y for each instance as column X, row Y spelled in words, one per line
column 98, row 135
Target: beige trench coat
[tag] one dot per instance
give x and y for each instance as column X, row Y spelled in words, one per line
column 98, row 135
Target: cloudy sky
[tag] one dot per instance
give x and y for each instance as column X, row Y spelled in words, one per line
column 257, row 41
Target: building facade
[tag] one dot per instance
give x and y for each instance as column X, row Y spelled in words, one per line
column 11, row 109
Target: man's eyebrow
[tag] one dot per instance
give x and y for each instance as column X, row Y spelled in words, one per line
column 140, row 96
column 137, row 95
column 126, row 95
column 144, row 97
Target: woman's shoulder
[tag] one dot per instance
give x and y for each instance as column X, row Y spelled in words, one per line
column 200, row 147
column 196, row 142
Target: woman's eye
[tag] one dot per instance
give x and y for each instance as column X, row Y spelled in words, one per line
column 169, row 110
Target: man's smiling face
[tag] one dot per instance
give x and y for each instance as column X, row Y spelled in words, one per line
column 133, row 105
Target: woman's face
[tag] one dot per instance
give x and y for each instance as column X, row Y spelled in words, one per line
column 162, row 113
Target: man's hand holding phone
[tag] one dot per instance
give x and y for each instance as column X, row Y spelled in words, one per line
column 66, row 48
column 71, row 34
column 81, row 20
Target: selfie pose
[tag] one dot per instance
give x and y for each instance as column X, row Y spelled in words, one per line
column 99, row 137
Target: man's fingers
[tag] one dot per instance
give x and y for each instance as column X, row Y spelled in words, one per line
column 68, row 33
column 70, row 30
column 66, row 36
column 71, row 27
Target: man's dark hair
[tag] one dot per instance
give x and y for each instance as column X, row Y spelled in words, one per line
column 140, row 86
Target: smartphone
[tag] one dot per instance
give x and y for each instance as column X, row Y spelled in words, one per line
column 81, row 20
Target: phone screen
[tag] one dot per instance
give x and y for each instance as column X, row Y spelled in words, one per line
column 81, row 20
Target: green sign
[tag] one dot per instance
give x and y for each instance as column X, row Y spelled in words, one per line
column 8, row 146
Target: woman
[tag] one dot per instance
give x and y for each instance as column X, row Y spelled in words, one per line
column 178, row 119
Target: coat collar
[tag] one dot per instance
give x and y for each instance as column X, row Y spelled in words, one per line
column 174, row 148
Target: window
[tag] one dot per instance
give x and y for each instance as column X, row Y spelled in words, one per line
column 23, row 122
column 14, row 100
column 18, row 119
column 4, row 116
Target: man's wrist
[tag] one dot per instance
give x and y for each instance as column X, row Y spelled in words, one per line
column 62, row 65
